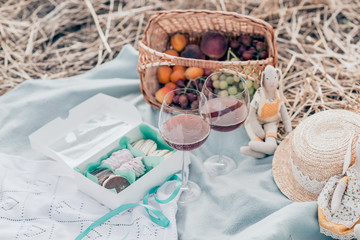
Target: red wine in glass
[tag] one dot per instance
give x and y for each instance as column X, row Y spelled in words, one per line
column 185, row 132
column 183, row 128
column 226, row 110
column 225, row 114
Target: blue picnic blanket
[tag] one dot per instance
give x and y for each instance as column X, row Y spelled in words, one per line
column 245, row 204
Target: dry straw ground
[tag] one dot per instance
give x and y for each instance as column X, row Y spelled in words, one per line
column 318, row 42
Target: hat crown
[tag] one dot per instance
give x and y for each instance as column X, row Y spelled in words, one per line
column 319, row 145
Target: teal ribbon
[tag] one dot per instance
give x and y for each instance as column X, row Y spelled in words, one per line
column 157, row 216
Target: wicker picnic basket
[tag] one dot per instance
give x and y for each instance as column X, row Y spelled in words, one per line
column 193, row 23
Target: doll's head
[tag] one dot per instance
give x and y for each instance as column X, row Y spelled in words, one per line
column 270, row 78
column 352, row 156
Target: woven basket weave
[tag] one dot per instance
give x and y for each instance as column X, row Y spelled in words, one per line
column 193, row 24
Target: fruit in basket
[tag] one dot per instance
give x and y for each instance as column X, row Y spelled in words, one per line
column 253, row 50
column 216, row 84
column 160, row 95
column 232, row 90
column 241, row 50
column 249, row 83
column 213, row 44
column 215, row 77
column 230, row 79
column 223, row 84
column 263, row 55
column 245, row 40
column 234, row 44
column 175, row 99
column 178, row 42
column 172, row 52
column 180, row 83
column 192, row 51
column 171, row 85
column 260, row 46
column 176, row 75
column 207, row 72
column 191, row 97
column 183, row 101
column 176, row 67
column 194, row 105
column 163, row 74
column 193, row 72
column 247, row 55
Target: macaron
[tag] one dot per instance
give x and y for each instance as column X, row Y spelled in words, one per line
column 161, row 153
column 146, row 145
column 102, row 174
column 118, row 158
column 117, row 182
column 135, row 165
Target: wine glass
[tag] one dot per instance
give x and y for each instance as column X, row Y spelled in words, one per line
column 226, row 109
column 184, row 129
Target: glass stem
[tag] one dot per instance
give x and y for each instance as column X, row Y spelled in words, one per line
column 220, row 145
column 183, row 175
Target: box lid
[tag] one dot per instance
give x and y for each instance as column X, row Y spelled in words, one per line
column 89, row 127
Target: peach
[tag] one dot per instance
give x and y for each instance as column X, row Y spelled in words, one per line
column 172, row 52
column 213, row 44
column 176, row 67
column 163, row 74
column 176, row 75
column 170, row 85
column 161, row 93
column 178, row 42
column 193, row 72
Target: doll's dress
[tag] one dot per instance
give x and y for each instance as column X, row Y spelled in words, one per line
column 340, row 225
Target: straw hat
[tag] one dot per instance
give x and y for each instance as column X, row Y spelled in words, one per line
column 314, row 152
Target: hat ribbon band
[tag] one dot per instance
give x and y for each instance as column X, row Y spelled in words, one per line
column 308, row 184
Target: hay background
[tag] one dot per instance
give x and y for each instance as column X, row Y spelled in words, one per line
column 318, row 42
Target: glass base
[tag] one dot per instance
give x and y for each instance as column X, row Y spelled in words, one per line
column 190, row 192
column 216, row 168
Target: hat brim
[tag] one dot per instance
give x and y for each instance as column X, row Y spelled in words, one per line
column 284, row 177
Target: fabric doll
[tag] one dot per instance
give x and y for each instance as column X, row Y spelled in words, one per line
column 339, row 201
column 266, row 110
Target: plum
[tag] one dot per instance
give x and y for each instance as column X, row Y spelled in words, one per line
column 180, row 83
column 245, row 40
column 241, row 50
column 207, row 72
column 254, row 42
column 213, row 44
column 260, row 46
column 247, row 55
column 252, row 49
column 234, row 44
column 263, row 54
column 192, row 51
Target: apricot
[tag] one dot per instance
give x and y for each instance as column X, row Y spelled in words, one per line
column 161, row 93
column 192, row 51
column 172, row 52
column 213, row 44
column 176, row 75
column 193, row 72
column 163, row 74
column 170, row 85
column 176, row 67
column 178, row 42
